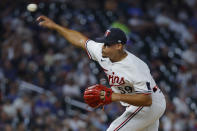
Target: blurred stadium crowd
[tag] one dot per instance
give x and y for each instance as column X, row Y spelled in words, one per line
column 41, row 73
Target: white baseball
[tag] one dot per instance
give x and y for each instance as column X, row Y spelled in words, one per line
column 32, row 7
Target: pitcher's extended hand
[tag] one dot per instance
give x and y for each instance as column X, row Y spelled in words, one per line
column 46, row 22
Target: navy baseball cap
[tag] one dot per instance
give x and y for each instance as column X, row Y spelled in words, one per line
column 113, row 36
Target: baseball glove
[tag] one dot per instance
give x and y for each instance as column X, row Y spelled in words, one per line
column 97, row 95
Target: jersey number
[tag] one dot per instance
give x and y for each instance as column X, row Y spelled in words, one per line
column 126, row 89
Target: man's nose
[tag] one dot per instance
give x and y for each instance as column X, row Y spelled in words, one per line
column 103, row 46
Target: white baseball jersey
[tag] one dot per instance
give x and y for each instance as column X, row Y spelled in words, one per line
column 128, row 76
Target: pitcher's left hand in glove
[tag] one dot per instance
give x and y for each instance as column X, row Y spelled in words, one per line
column 97, row 95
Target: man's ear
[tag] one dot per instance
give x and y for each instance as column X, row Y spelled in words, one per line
column 119, row 46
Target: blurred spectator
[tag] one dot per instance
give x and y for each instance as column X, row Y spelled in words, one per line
column 9, row 109
column 190, row 56
column 70, row 89
column 42, row 105
column 121, row 23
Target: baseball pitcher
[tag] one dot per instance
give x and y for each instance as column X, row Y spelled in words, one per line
column 129, row 78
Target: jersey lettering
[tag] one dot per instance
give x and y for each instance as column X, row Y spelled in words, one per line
column 115, row 79
column 122, row 81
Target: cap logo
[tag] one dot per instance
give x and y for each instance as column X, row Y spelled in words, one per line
column 107, row 33
column 119, row 41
